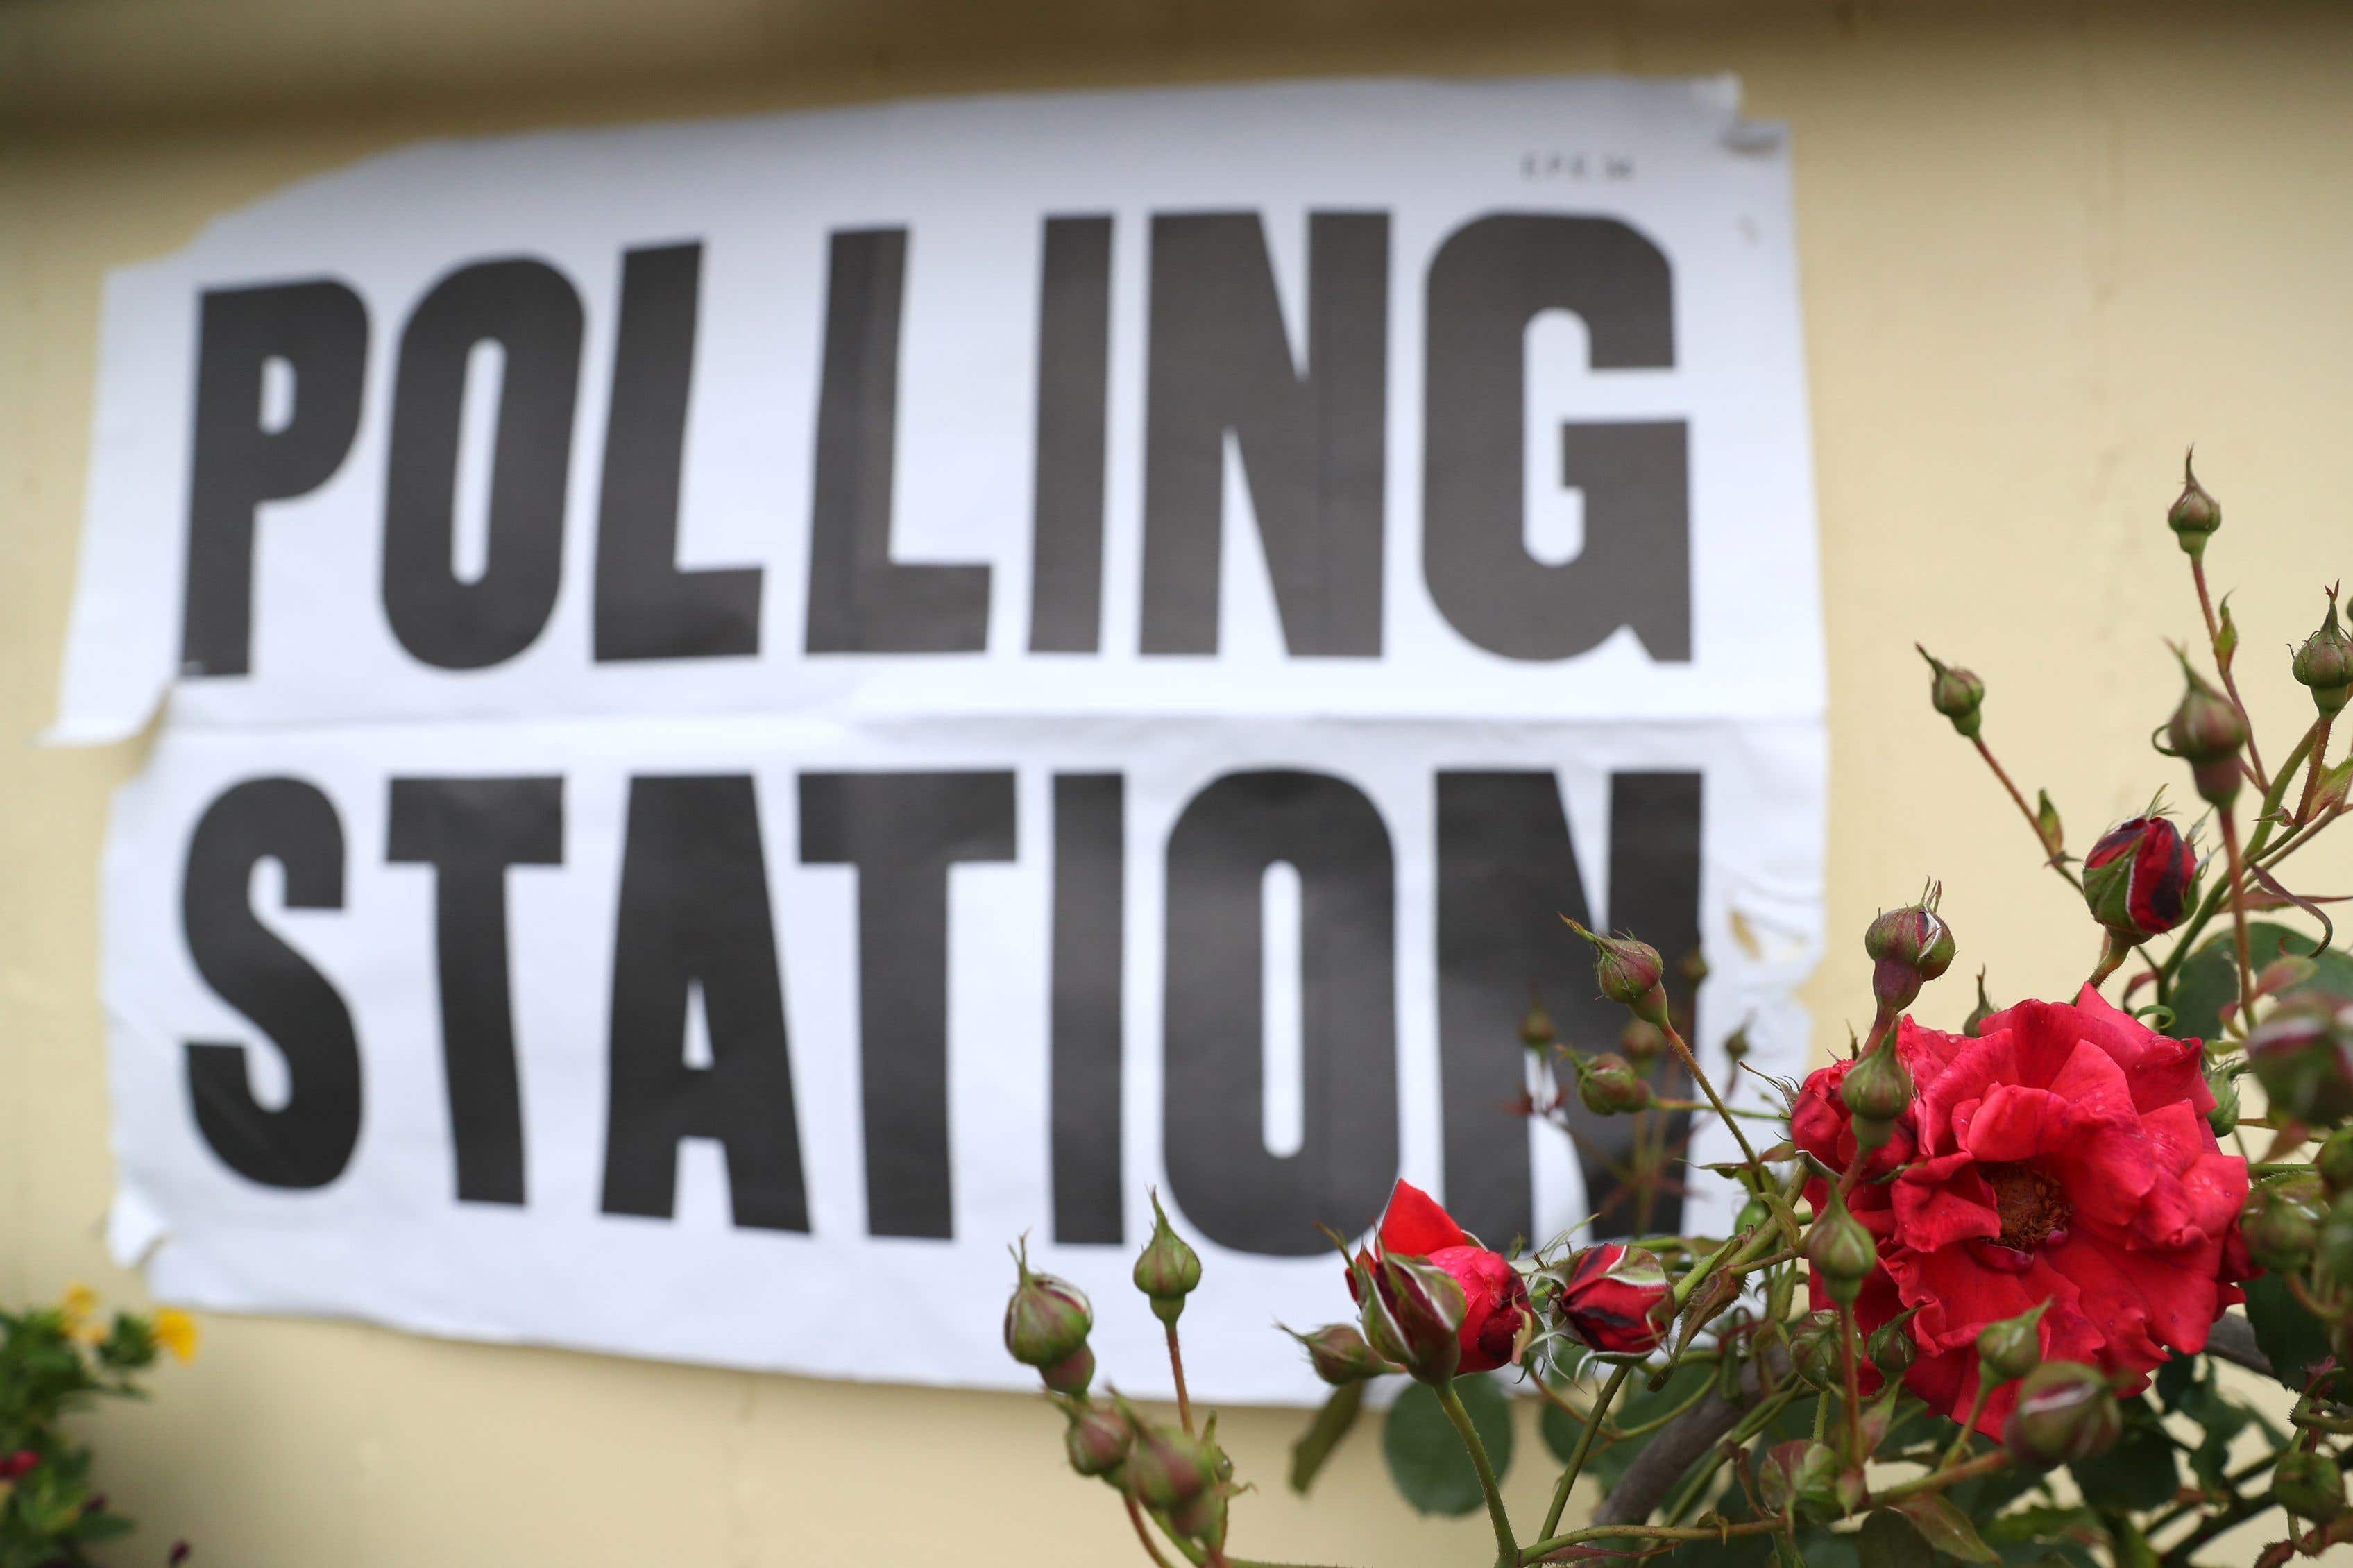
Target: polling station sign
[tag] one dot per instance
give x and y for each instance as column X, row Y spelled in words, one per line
column 753, row 710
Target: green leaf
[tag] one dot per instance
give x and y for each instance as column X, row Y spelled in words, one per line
column 2139, row 1471
column 1887, row 1541
column 101, row 1525
column 2210, row 977
column 1425, row 1454
column 1945, row 1527
column 1323, row 1434
column 1635, row 1405
column 2293, row 1338
column 2176, row 1378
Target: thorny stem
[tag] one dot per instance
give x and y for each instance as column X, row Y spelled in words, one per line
column 1690, row 1065
column 1135, row 1515
column 1853, row 1395
column 2312, row 773
column 1601, row 1403
column 1177, row 1366
column 2050, row 851
column 1507, row 1545
column 2239, row 912
column 2230, row 682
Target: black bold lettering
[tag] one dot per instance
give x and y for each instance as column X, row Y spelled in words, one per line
column 694, row 916
column 1073, row 369
column 1090, row 922
column 1311, row 443
column 319, row 331
column 469, row 831
column 532, row 314
column 308, row 1140
column 859, row 600
column 1488, row 280
column 1507, row 872
column 646, row 607
column 1237, row 1193
column 903, row 831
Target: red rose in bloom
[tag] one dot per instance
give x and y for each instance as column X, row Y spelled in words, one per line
column 1617, row 1299
column 1495, row 1298
column 2063, row 1156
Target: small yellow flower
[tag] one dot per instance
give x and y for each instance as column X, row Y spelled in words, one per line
column 177, row 1332
column 78, row 1303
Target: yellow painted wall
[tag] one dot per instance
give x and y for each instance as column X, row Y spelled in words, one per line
column 2040, row 251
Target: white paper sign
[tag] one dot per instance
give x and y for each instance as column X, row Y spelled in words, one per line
column 754, row 709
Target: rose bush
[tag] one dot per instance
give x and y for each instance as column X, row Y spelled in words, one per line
column 2063, row 1155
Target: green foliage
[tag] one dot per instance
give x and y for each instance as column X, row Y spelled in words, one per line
column 55, row 1362
column 2139, row 1472
column 1323, row 1434
column 2209, row 980
column 1425, row 1454
column 2293, row 1338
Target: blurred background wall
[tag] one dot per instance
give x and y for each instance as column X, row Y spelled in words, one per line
column 2043, row 248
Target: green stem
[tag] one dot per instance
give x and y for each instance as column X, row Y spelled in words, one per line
column 1176, row 1368
column 1961, row 1442
column 1601, row 1403
column 1983, row 1465
column 1756, row 1421
column 2050, row 850
column 2212, row 904
column 2230, row 683
column 2238, row 891
column 1545, row 1547
column 1507, row 1545
column 2312, row 775
column 1151, row 1547
column 1690, row 1065
column 1849, row 1351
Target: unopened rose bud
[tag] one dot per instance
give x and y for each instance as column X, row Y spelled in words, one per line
column 1340, row 1355
column 1974, row 1025
column 2302, row 1054
column 1611, row 1086
column 1537, row 1030
column 2308, row 1485
column 1800, row 1476
column 2012, row 1348
column 1071, row 1374
column 1096, row 1440
column 1814, row 1352
column 1628, row 972
column 1203, row 1518
column 2047, row 825
column 1616, row 1299
column 2194, row 515
column 2324, row 662
column 1693, row 967
column 2139, row 877
column 2065, row 1412
column 2281, row 1224
column 2222, row 1083
column 1877, row 1086
column 1735, row 1045
column 1165, row 1467
column 1956, row 694
column 1841, row 1251
column 2332, row 1253
column 1413, row 1312
column 1047, row 1318
column 1892, row 1347
column 2207, row 732
column 1908, row 948
column 1168, row 1269
column 1641, row 1040
column 2333, row 1161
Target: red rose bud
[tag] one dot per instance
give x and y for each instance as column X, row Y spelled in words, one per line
column 2139, row 877
column 21, row 1463
column 2194, row 515
column 1609, row 1084
column 1628, row 972
column 2324, row 662
column 1165, row 1467
column 1071, row 1374
column 1908, row 948
column 1841, row 1251
column 1641, row 1040
column 2012, row 1348
column 1097, row 1440
column 2206, row 731
column 1340, row 1355
column 2308, row 1485
column 1956, row 694
column 1616, row 1299
column 2302, row 1054
column 2065, row 1413
column 2334, row 1162
column 1047, row 1318
column 1413, row 1316
column 1168, row 1269
column 1800, row 1476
